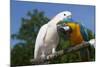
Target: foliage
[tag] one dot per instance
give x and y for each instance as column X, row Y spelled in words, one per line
column 23, row 51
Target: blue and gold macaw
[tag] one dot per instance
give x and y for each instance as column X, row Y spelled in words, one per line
column 77, row 34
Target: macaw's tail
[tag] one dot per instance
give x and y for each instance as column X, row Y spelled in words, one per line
column 84, row 54
column 87, row 54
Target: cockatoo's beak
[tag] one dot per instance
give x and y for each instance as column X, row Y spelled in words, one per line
column 68, row 19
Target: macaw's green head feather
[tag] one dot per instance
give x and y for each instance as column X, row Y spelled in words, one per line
column 67, row 20
column 64, row 22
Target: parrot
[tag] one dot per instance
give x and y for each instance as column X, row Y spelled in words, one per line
column 47, row 38
column 77, row 33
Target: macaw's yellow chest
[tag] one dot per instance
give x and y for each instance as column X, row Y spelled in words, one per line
column 75, row 36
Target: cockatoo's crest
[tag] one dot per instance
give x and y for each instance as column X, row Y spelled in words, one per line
column 64, row 14
column 61, row 16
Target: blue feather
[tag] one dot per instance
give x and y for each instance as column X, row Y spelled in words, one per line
column 84, row 32
column 68, row 20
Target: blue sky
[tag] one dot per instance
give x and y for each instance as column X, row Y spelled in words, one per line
column 81, row 13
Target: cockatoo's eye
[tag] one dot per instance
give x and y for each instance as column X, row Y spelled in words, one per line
column 64, row 14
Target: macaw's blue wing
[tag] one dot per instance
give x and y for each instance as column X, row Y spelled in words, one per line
column 84, row 32
column 84, row 53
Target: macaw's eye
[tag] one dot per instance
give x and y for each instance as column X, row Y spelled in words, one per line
column 64, row 14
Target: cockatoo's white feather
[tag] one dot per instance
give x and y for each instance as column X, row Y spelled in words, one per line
column 39, row 41
column 47, row 38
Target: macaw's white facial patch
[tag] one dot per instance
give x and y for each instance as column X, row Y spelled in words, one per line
column 66, row 28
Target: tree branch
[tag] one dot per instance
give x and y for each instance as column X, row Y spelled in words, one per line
column 60, row 53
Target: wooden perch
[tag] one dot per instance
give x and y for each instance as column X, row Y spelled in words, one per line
column 60, row 53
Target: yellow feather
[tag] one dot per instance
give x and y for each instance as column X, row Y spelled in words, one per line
column 75, row 36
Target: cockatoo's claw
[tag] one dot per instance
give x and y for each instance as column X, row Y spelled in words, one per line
column 50, row 56
column 42, row 56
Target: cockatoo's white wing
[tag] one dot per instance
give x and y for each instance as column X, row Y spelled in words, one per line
column 39, row 41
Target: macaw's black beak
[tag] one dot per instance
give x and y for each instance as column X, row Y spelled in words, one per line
column 64, row 31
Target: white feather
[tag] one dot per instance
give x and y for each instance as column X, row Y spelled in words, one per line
column 92, row 42
column 39, row 39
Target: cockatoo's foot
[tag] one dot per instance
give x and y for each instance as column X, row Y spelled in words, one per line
column 43, row 56
column 51, row 55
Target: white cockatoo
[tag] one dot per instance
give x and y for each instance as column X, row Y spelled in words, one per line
column 47, row 38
